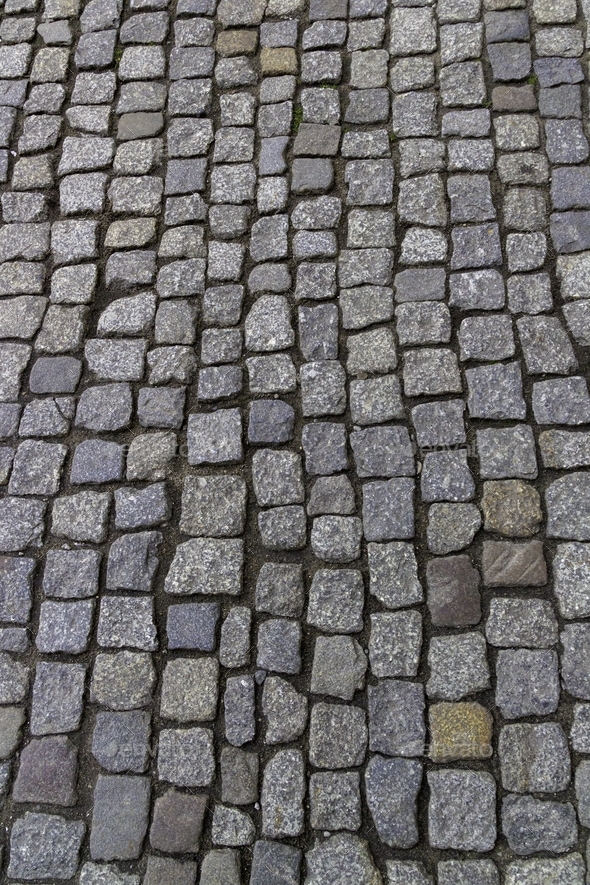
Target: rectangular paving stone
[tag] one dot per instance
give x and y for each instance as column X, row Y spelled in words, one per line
column 120, row 817
column 206, row 565
column 58, row 693
column 396, row 718
column 185, row 757
column 45, row 844
column 122, row 681
column 466, row 800
column 507, row 563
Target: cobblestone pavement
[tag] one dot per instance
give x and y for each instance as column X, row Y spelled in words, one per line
column 295, row 514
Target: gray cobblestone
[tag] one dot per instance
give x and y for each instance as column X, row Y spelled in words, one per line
column 45, row 844
column 264, row 363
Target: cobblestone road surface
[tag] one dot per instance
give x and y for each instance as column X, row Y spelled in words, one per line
column 295, row 513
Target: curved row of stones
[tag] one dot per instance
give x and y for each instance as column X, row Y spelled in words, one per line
column 294, row 309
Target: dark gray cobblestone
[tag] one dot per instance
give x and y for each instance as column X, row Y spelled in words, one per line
column 294, row 502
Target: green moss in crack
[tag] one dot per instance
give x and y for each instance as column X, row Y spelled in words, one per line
column 297, row 118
